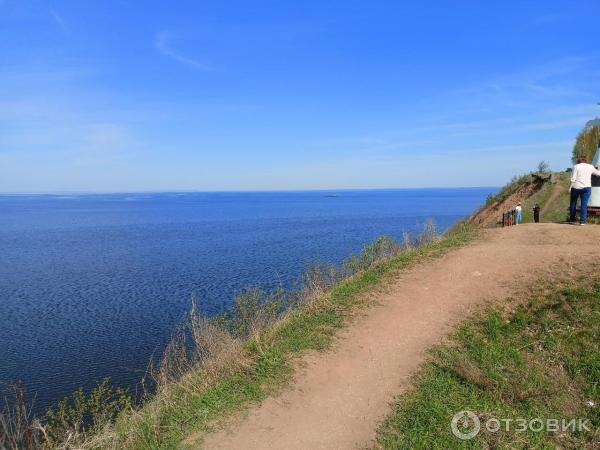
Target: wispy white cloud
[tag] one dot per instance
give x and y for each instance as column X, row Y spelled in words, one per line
column 163, row 46
column 60, row 21
column 504, row 125
column 510, row 121
column 550, row 82
column 449, row 136
column 518, row 149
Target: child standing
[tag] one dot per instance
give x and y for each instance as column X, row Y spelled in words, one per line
column 519, row 214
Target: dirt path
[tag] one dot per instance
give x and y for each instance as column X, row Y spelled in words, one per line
column 555, row 193
column 339, row 397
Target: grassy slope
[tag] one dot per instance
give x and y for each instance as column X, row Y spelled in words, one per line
column 553, row 198
column 166, row 421
column 541, row 359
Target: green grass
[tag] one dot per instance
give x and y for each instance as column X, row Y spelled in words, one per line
column 167, row 420
column 553, row 198
column 540, row 360
column 508, row 189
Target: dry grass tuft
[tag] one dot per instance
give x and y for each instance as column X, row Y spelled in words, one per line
column 202, row 344
column 18, row 431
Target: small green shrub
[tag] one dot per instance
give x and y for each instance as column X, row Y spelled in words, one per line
column 81, row 413
column 383, row 248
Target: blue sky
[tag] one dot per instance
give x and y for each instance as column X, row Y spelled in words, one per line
column 251, row 95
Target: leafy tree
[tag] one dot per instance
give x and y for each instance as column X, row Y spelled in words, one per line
column 587, row 142
column 543, row 167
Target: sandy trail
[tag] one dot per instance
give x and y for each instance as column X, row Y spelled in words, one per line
column 555, row 194
column 339, row 397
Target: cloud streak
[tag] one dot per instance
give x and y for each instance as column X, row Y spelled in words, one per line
column 163, row 46
column 62, row 24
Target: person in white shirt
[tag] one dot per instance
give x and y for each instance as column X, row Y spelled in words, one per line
column 581, row 188
column 518, row 214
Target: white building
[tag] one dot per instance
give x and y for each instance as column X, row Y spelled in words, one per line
column 595, row 198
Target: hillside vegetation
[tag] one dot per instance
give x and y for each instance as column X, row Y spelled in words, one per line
column 588, row 141
column 549, row 190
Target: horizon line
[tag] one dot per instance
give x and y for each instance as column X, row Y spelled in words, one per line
column 238, row 191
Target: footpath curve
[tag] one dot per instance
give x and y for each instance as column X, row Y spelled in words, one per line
column 339, row 397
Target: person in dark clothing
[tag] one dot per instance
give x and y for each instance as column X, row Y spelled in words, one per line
column 536, row 213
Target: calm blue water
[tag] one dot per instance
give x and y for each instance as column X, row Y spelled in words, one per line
column 92, row 285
